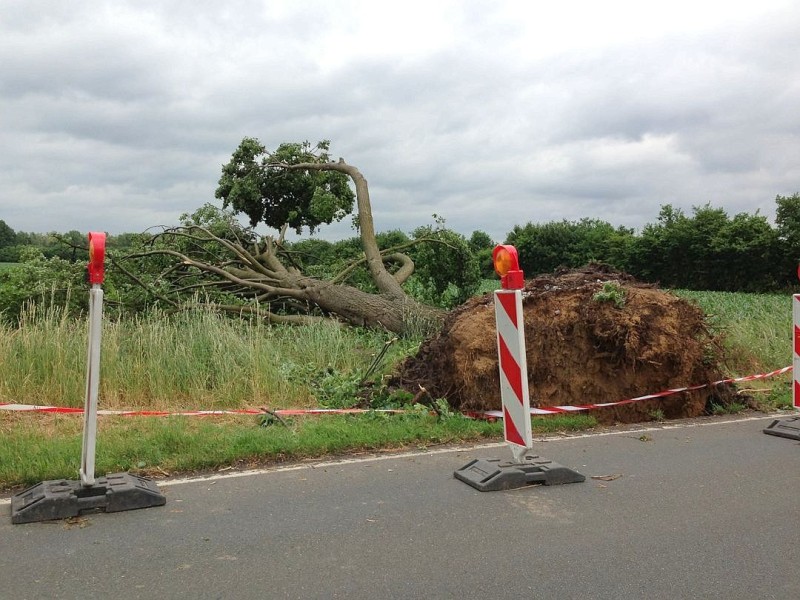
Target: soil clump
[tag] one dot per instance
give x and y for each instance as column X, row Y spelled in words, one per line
column 581, row 349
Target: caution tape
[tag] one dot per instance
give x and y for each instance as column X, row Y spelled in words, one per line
column 293, row 412
column 551, row 410
column 283, row 412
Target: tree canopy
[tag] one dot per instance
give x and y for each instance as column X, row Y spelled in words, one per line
column 257, row 183
column 7, row 235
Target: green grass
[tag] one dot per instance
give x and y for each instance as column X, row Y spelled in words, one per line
column 158, row 446
column 756, row 334
column 6, row 265
column 756, row 329
column 181, row 444
column 189, row 360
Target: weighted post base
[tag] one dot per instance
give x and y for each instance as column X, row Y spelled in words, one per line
column 788, row 428
column 492, row 474
column 61, row 498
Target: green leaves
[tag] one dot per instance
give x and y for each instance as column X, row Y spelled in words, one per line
column 46, row 281
column 447, row 271
column 240, row 186
column 324, row 206
column 543, row 247
column 611, row 292
column 708, row 251
column 261, row 185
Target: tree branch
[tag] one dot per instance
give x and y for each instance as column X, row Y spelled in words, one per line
column 139, row 282
column 202, row 266
column 383, row 280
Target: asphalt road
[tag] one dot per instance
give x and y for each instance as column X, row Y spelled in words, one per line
column 706, row 509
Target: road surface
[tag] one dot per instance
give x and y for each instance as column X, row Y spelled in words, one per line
column 702, row 509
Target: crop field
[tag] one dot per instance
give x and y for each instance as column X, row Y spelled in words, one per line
column 756, row 329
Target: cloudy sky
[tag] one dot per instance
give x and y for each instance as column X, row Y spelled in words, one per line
column 117, row 116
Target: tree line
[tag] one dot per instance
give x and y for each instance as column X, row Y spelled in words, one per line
column 17, row 246
column 705, row 250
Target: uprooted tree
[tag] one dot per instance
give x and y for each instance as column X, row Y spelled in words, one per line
column 211, row 255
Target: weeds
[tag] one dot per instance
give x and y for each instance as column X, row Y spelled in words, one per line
column 611, row 292
column 755, row 328
column 727, row 409
column 780, row 397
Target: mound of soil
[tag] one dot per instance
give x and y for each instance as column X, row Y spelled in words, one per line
column 580, row 350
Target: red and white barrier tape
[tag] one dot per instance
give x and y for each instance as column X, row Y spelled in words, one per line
column 551, row 410
column 283, row 412
column 291, row 412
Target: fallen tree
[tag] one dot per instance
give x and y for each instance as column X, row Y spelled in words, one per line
column 212, row 256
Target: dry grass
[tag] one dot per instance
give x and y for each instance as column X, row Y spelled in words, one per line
column 196, row 360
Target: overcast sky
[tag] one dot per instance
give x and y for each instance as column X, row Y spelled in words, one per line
column 117, row 116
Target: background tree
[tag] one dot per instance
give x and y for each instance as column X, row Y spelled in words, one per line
column 8, row 239
column 547, row 246
column 746, row 256
column 707, row 251
column 659, row 253
column 482, row 245
column 447, row 272
column 787, row 221
column 7, row 235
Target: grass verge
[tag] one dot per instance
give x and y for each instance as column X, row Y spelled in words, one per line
column 202, row 361
column 44, row 447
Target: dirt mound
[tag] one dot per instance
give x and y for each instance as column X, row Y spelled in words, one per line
column 580, row 349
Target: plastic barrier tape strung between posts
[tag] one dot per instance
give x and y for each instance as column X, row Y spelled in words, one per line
column 292, row 412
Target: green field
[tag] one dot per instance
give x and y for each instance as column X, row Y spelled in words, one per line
column 5, row 265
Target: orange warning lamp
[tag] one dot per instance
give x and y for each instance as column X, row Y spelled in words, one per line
column 97, row 256
column 506, row 265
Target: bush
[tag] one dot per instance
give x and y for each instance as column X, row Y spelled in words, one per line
column 47, row 281
column 447, row 271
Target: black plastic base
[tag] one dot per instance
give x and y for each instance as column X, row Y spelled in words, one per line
column 61, row 498
column 788, row 428
column 491, row 475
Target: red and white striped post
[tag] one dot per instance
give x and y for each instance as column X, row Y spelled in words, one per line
column 796, row 353
column 491, row 475
column 511, row 351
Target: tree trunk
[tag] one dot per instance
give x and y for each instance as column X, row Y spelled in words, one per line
column 363, row 309
column 385, row 282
